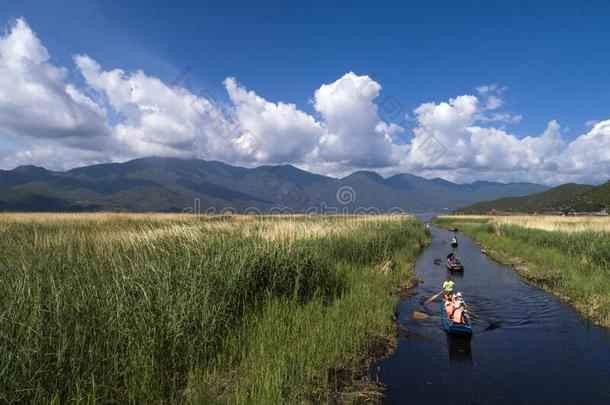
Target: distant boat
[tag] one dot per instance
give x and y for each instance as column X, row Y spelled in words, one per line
column 456, row 265
column 456, row 329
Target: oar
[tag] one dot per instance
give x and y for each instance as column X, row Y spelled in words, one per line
column 429, row 300
column 471, row 311
column 490, row 324
column 422, row 315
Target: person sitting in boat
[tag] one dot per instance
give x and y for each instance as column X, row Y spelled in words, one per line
column 449, row 309
column 448, row 285
column 454, row 242
column 451, row 259
column 458, row 312
column 457, row 297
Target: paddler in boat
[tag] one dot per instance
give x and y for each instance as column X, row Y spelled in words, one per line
column 449, row 308
column 448, row 286
column 458, row 297
column 454, row 242
column 452, row 259
column 458, row 312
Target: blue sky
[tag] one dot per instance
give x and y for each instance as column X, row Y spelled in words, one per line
column 549, row 59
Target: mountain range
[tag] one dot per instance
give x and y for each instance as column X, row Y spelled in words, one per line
column 173, row 185
column 567, row 198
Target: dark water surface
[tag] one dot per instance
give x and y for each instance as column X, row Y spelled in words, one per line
column 537, row 349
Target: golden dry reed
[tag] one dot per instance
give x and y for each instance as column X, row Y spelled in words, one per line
column 547, row 222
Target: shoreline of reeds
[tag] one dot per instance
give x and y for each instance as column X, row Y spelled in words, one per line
column 567, row 257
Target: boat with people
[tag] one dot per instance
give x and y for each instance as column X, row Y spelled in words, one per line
column 454, row 263
column 454, row 243
column 457, row 329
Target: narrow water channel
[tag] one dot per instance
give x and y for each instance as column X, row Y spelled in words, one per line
column 527, row 348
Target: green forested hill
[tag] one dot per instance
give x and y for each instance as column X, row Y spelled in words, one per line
column 565, row 198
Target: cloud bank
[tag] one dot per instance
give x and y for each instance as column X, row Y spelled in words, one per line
column 120, row 115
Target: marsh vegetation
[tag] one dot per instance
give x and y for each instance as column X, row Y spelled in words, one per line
column 144, row 307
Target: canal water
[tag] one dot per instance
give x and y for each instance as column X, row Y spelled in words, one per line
column 527, row 348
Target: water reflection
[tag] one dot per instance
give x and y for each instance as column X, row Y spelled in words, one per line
column 460, row 350
column 455, row 274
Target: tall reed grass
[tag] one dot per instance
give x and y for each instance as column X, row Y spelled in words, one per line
column 140, row 308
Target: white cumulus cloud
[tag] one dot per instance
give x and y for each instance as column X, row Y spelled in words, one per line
column 272, row 132
column 48, row 120
column 355, row 137
column 37, row 101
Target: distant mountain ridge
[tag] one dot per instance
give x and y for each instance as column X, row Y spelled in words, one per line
column 567, row 198
column 173, row 185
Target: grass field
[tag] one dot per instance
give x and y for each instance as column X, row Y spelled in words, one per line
column 150, row 307
column 568, row 256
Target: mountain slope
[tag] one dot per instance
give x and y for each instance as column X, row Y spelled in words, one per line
column 565, row 198
column 173, row 185
column 595, row 200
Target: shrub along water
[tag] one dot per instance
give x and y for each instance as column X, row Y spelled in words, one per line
column 147, row 307
column 574, row 265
